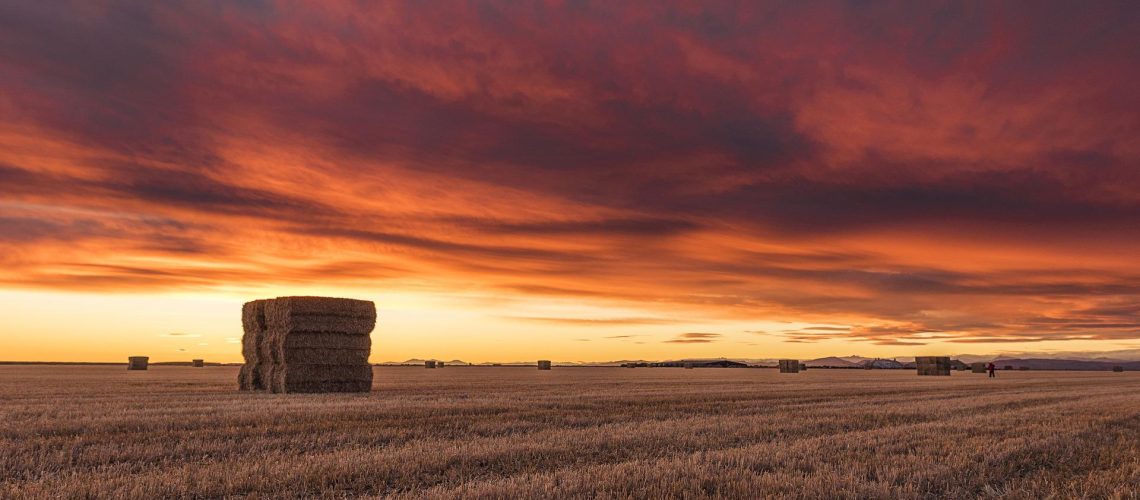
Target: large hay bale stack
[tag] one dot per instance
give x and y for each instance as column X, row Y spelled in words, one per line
column 1118, row 369
column 307, row 344
column 978, row 367
column 137, row 362
column 198, row 363
column 789, row 366
column 319, row 344
column 544, row 364
column 933, row 365
column 429, row 364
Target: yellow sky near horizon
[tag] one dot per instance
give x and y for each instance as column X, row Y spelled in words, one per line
column 62, row 326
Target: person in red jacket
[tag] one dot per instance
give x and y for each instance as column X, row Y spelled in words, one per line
column 992, row 369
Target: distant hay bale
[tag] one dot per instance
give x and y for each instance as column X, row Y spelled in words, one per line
column 429, row 364
column 198, row 363
column 544, row 364
column 1118, row 369
column 439, row 364
column 137, row 362
column 789, row 366
column 803, row 367
column 978, row 367
column 307, row 344
column 933, row 365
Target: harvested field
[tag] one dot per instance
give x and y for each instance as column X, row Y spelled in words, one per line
column 175, row 431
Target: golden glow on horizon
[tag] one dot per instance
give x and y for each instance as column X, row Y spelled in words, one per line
column 178, row 327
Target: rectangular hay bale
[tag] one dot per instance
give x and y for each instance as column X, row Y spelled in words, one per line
column 325, row 356
column 313, row 340
column 288, row 378
column 137, row 362
column 324, row 323
column 325, row 306
column 789, row 366
column 933, row 365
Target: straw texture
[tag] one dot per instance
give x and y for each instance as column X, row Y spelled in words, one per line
column 307, row 344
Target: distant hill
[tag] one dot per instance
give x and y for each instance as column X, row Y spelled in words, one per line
column 830, row 362
column 881, row 364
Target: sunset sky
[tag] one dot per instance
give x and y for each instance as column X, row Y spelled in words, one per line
column 573, row 180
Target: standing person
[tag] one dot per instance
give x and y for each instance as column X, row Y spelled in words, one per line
column 992, row 368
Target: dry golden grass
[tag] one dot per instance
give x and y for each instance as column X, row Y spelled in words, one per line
column 69, row 431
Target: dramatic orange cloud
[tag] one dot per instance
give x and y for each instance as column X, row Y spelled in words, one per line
column 878, row 177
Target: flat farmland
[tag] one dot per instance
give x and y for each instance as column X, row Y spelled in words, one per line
column 101, row 431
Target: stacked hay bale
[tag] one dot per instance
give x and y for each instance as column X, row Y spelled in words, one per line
column 789, row 366
column 308, row 344
column 544, row 364
column 137, row 362
column 429, row 364
column 803, row 367
column 978, row 367
column 933, row 365
column 198, row 363
column 439, row 364
column 255, row 372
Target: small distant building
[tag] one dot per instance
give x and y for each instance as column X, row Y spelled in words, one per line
column 439, row 364
column 429, row 364
column 198, row 363
column 978, row 367
column 544, row 364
